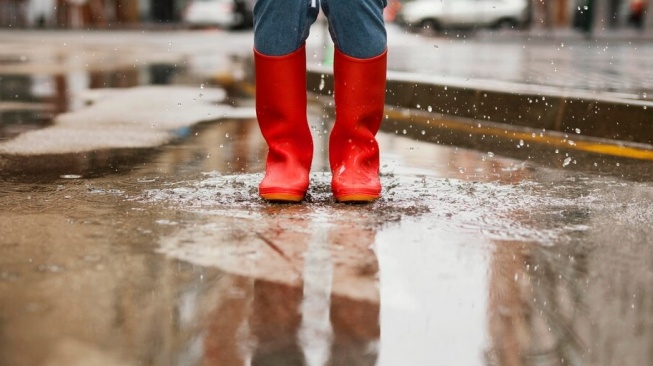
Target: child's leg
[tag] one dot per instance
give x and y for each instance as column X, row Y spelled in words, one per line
column 280, row 30
column 357, row 27
column 282, row 26
column 358, row 32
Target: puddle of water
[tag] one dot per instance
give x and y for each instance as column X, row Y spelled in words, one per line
column 30, row 100
column 80, row 119
column 433, row 288
column 460, row 260
column 486, row 263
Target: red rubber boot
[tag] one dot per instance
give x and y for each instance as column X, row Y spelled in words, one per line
column 281, row 112
column 353, row 150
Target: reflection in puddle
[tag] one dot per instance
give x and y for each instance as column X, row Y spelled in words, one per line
column 30, row 101
column 535, row 309
column 156, row 116
column 306, row 293
column 433, row 295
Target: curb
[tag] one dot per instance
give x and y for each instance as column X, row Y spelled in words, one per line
column 605, row 115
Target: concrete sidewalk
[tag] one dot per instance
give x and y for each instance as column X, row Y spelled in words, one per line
column 609, row 62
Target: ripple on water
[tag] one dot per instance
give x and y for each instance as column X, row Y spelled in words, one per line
column 492, row 209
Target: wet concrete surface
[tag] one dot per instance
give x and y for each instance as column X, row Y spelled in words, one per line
column 490, row 246
column 560, row 58
column 469, row 257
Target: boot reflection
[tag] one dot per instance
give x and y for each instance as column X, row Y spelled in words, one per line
column 329, row 316
column 355, row 305
column 274, row 323
column 226, row 340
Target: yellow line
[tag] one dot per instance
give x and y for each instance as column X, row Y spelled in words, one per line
column 601, row 148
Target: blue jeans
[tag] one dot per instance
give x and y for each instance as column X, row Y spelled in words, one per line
column 356, row 26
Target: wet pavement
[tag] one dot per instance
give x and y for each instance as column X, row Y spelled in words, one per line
column 490, row 246
column 561, row 59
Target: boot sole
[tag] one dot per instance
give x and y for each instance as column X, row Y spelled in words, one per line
column 282, row 197
column 357, row 198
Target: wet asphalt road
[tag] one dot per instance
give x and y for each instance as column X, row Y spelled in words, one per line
column 486, row 249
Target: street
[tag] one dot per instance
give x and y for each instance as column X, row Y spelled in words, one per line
column 132, row 233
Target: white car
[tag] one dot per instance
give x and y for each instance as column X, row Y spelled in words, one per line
column 228, row 14
column 435, row 15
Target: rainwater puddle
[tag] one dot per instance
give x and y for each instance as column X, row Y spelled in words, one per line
column 450, row 264
column 62, row 117
column 453, row 257
column 30, row 99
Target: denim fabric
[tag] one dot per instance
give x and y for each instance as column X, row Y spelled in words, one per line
column 356, row 26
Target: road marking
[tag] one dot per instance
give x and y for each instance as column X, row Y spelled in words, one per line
column 547, row 138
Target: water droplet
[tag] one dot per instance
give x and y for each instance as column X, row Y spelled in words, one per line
column 423, row 132
column 578, row 130
column 429, row 108
column 179, row 104
column 567, row 161
column 461, row 170
column 490, row 154
column 404, row 131
column 226, row 135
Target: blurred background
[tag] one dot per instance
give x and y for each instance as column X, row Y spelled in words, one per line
column 421, row 14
